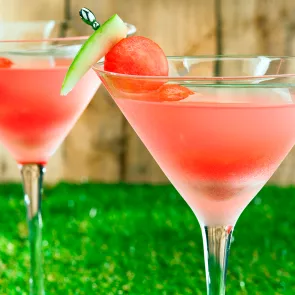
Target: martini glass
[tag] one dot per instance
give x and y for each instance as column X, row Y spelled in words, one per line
column 35, row 119
column 218, row 146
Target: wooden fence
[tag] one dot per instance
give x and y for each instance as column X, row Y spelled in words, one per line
column 102, row 146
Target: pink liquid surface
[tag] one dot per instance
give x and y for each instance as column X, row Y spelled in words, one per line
column 217, row 155
column 34, row 118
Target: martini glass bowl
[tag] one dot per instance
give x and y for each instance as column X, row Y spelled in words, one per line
column 219, row 145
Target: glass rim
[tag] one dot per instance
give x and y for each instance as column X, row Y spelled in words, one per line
column 98, row 68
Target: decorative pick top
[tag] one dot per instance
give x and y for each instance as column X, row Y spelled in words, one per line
column 89, row 18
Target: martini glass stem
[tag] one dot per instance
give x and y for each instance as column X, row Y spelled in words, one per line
column 32, row 175
column 216, row 240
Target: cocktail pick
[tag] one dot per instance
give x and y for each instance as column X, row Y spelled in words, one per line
column 89, row 18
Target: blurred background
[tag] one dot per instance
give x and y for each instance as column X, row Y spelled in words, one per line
column 102, row 146
column 143, row 239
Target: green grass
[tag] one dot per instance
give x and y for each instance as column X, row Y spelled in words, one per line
column 140, row 239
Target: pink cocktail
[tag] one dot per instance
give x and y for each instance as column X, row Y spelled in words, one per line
column 217, row 155
column 34, row 118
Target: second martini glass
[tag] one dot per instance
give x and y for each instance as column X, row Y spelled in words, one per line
column 218, row 146
column 34, row 118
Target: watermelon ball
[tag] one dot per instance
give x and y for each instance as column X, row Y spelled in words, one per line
column 166, row 93
column 5, row 63
column 137, row 56
column 173, row 92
